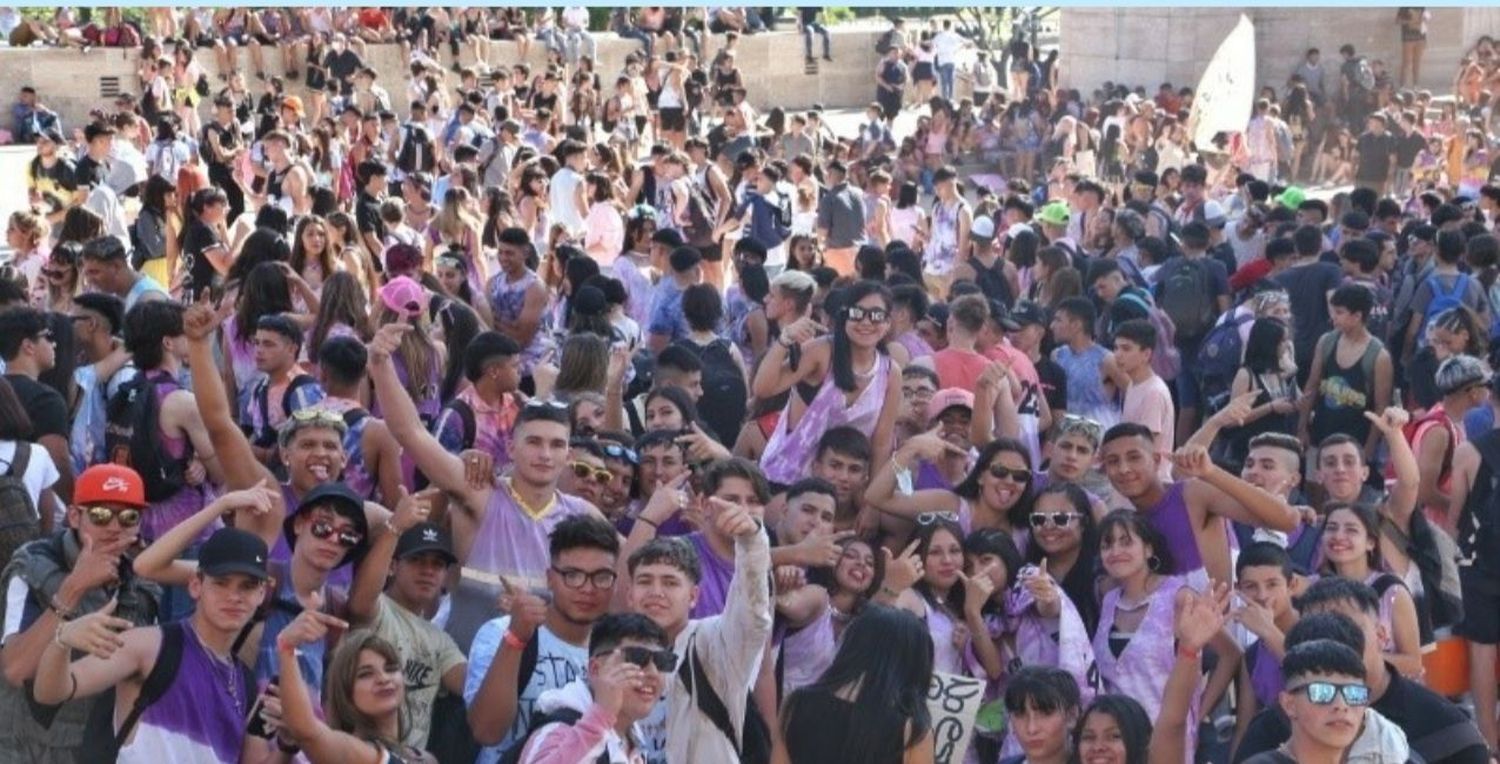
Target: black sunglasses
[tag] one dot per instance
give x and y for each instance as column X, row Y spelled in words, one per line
column 665, row 659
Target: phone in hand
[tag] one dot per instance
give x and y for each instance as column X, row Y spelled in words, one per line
column 255, row 725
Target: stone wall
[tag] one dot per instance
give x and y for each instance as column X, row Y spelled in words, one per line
column 72, row 82
column 1149, row 46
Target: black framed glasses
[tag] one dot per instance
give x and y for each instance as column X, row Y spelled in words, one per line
column 1005, row 473
column 573, row 578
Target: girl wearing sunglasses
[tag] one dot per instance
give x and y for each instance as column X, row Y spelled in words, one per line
column 1062, row 527
column 997, row 492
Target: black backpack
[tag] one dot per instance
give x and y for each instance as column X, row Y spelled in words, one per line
column 885, row 42
column 101, row 742
column 19, row 522
column 132, row 437
column 566, row 716
column 700, row 228
column 465, row 414
column 724, row 391
column 1186, row 296
column 755, row 745
column 416, row 150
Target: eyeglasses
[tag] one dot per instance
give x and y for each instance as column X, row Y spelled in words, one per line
column 348, row 539
column 582, row 471
column 918, row 393
column 872, row 315
column 665, row 659
column 1054, row 519
column 1003, row 473
column 1356, row 694
column 101, row 516
column 617, row 451
column 54, row 273
column 573, row 578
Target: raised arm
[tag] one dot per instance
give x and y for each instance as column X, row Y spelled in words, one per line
column 241, row 469
column 370, row 576
column 319, row 741
column 159, row 562
column 1216, row 492
column 445, row 470
column 734, row 641
column 775, row 375
column 114, row 655
column 883, row 493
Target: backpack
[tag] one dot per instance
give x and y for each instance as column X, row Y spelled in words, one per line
column 262, row 393
column 754, row 747
column 1219, row 360
column 1166, row 359
column 19, row 521
column 465, row 414
column 699, row 230
column 1364, row 75
column 416, row 150
column 723, row 386
column 1186, row 296
column 1444, row 300
column 1479, row 520
column 566, row 716
column 885, row 42
column 101, row 741
column 132, row 437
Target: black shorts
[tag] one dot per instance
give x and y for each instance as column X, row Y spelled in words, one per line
column 923, row 72
column 1481, row 595
column 713, row 253
column 673, row 120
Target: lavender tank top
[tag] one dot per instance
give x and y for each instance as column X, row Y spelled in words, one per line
column 790, row 451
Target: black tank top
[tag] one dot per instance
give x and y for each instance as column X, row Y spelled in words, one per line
column 991, row 280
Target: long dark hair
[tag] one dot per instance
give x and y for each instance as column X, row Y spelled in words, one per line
column 885, row 658
column 954, row 602
column 969, row 488
column 343, row 302
column 1129, row 716
column 843, row 361
column 1135, row 525
column 1263, row 350
column 1079, row 500
column 265, row 292
column 460, row 326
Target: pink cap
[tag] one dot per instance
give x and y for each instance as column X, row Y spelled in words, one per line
column 404, row 296
column 947, row 398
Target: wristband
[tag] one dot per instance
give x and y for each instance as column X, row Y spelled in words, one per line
column 290, row 749
column 283, row 646
column 514, row 642
column 643, row 519
column 63, row 614
column 1186, row 654
column 390, row 528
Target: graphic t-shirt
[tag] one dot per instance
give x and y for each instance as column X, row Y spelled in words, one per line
column 557, row 664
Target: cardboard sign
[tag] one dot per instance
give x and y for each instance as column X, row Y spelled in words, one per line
column 953, row 702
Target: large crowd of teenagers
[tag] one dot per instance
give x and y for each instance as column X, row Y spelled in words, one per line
column 520, row 416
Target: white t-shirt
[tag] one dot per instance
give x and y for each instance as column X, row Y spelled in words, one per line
column 41, row 472
column 561, row 201
column 945, row 47
column 557, row 664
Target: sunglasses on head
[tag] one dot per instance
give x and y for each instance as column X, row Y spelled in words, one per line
column 1002, row 472
column 583, row 471
column 928, row 518
column 547, row 403
column 1081, row 425
column 872, row 315
column 617, row 451
column 322, row 529
column 1055, row 519
column 665, row 659
column 1356, row 694
column 101, row 516
column 318, row 415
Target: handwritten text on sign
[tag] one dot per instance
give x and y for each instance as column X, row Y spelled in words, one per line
column 952, row 702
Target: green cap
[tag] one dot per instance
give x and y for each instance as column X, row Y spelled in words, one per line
column 1055, row 213
column 1292, row 197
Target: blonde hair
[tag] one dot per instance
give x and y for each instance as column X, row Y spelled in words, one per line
column 34, row 226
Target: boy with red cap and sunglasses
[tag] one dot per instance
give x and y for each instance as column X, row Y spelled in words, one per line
column 53, row 580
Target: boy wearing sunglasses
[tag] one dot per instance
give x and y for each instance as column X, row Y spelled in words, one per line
column 1325, row 699
column 586, row 476
column 1436, row 729
column 629, row 664
column 54, row 580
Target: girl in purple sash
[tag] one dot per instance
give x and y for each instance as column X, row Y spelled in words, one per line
column 844, row 380
column 1351, row 548
column 1134, row 644
column 996, row 494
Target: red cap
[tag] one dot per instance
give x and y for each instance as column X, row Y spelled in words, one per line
column 110, row 484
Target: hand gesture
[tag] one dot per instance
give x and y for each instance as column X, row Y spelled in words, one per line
column 270, row 711
column 1390, row 422
column 1042, row 587
column 619, row 361
column 904, row 570
column 822, row 550
column 1238, row 410
column 960, row 637
column 1283, row 406
column 257, row 499
column 700, row 446
column 97, row 633
column 545, row 374
column 311, row 625
column 800, row 331
column 994, row 377
column 1193, row 461
column 203, row 318
column 527, row 610
column 1200, row 615
column 734, row 520
column 386, row 341
column 1255, row 617
column 413, row 509
column 479, row 468
column 98, row 565
column 616, row 677
column 195, row 473
column 978, row 588
column 668, row 499
column 789, row 578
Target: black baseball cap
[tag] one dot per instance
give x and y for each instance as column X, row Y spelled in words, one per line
column 425, row 537
column 1027, row 312
column 341, row 499
column 231, row 550
column 1002, row 316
